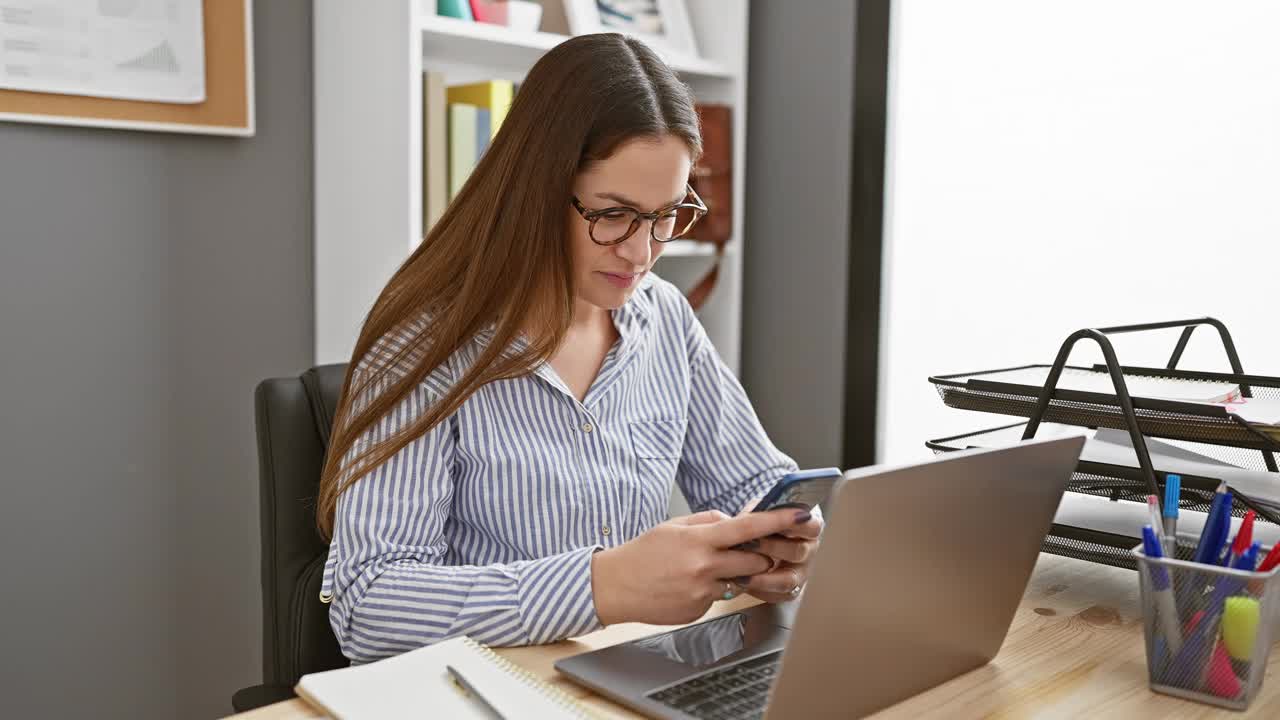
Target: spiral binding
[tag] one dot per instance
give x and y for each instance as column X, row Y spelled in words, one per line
column 555, row 694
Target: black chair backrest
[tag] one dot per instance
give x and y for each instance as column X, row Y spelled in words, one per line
column 294, row 417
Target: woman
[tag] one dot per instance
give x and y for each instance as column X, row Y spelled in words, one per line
column 527, row 393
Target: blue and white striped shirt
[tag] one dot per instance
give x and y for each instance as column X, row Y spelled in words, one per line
column 485, row 525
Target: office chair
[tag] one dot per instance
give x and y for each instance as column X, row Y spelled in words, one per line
column 294, row 416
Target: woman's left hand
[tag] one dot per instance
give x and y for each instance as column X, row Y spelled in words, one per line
column 791, row 553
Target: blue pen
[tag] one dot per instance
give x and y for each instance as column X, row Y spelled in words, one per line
column 1247, row 561
column 1222, row 555
column 1216, row 527
column 1162, row 590
column 1172, row 492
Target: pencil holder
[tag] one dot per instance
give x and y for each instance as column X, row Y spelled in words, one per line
column 1208, row 629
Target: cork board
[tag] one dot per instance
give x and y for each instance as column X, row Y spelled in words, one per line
column 228, row 105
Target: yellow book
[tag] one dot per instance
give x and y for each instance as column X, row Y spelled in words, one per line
column 492, row 94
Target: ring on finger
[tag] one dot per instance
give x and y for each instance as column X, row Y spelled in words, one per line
column 728, row 591
column 797, row 586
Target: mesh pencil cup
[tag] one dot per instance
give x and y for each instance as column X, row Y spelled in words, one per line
column 1208, row 629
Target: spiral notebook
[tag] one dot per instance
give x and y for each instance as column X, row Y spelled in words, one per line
column 416, row 684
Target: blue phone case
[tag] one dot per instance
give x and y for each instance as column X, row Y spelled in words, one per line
column 802, row 490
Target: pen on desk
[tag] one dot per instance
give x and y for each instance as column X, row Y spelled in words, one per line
column 469, row 690
column 1244, row 537
column 1172, row 494
column 1210, row 545
column 1163, row 592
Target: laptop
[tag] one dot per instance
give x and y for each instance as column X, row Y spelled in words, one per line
column 917, row 578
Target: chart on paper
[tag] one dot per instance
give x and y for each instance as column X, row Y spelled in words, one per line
column 149, row 50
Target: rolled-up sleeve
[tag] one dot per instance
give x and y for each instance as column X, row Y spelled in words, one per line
column 391, row 588
column 727, row 458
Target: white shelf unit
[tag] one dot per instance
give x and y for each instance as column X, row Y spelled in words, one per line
column 499, row 45
column 368, row 65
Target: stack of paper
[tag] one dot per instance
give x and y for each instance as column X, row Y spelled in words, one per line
column 1204, row 391
column 1259, row 411
column 1127, row 518
column 1113, row 447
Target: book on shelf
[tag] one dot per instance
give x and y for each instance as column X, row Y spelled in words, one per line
column 712, row 179
column 713, row 174
column 435, row 149
column 484, row 128
column 462, row 145
column 493, row 95
column 489, row 11
column 465, row 119
column 460, row 9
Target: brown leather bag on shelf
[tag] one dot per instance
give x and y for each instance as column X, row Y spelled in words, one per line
column 712, row 179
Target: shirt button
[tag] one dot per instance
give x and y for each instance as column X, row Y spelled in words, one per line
column 586, row 427
column 605, row 531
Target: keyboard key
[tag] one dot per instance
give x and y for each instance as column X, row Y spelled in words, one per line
column 733, row 692
column 694, row 698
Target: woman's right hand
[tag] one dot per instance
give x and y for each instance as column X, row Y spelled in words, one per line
column 671, row 574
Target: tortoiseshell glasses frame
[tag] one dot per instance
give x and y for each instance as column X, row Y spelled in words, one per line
column 675, row 220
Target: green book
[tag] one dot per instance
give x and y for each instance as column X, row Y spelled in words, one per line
column 462, row 145
column 460, row 9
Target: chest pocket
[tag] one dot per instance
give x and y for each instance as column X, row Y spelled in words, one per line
column 657, row 439
column 657, row 446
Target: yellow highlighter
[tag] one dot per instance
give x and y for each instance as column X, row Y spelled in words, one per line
column 1240, row 618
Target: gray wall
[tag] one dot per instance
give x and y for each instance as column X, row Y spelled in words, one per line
column 799, row 129
column 147, row 282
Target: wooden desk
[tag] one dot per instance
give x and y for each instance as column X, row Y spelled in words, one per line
column 1074, row 650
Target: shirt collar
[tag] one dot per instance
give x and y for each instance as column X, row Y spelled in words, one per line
column 632, row 319
column 635, row 314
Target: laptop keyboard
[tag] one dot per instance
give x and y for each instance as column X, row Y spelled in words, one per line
column 729, row 693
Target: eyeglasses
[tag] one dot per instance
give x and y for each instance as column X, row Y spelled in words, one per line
column 611, row 226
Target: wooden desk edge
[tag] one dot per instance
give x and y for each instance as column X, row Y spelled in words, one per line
column 1074, row 649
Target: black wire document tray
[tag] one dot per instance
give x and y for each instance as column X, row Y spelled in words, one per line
column 1188, row 409
column 1156, row 417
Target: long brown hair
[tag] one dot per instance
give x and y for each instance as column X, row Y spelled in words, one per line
column 498, row 257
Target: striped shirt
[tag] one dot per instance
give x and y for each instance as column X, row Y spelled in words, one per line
column 486, row 524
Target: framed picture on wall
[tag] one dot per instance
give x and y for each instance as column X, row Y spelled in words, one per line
column 662, row 24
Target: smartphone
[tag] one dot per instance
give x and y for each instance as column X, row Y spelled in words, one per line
column 801, row 490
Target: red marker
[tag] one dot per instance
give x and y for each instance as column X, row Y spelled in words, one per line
column 1220, row 679
column 1271, row 560
column 1243, row 538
